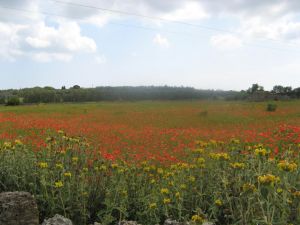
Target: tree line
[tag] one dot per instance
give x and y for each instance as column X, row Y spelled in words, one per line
column 128, row 93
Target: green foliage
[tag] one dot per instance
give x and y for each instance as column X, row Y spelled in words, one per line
column 69, row 178
column 13, row 101
column 78, row 94
column 271, row 107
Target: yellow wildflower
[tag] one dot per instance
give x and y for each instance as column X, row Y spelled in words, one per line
column 220, row 156
column 197, row 219
column 286, row 166
column 249, row 187
column 192, row 178
column 198, row 150
column 279, row 190
column 43, row 165
column 268, row 179
column 218, row 202
column 152, row 205
column 260, row 152
column 167, row 201
column 164, row 191
column 114, row 165
column 59, row 165
column 74, row 159
column 200, row 160
column 67, row 174
column 237, row 165
column 58, row 184
column 296, row 194
column 103, row 168
column 152, row 181
column 7, row 145
column 18, row 142
column 183, row 186
column 160, row 171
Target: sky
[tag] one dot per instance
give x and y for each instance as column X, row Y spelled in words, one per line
column 204, row 44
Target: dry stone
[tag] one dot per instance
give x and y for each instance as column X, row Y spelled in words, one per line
column 125, row 222
column 18, row 208
column 174, row 222
column 57, row 220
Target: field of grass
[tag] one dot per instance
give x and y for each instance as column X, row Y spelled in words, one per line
column 227, row 162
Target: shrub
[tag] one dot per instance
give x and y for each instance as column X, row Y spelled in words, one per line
column 271, row 107
column 13, row 101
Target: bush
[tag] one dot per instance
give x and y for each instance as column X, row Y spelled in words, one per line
column 271, row 107
column 13, row 101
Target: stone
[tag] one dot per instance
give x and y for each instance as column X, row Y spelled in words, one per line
column 57, row 220
column 18, row 208
column 125, row 222
column 174, row 222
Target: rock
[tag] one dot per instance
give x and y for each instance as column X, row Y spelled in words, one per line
column 208, row 223
column 57, row 220
column 174, row 222
column 125, row 222
column 18, row 208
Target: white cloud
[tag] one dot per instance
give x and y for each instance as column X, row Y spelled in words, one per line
column 284, row 29
column 10, row 40
column 29, row 35
column 49, row 57
column 225, row 42
column 161, row 41
column 37, row 43
column 190, row 11
column 44, row 43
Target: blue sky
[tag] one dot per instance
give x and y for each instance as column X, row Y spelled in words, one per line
column 233, row 45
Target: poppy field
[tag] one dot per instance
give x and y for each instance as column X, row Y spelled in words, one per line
column 198, row 161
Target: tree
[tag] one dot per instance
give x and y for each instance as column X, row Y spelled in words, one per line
column 280, row 90
column 13, row 101
column 255, row 88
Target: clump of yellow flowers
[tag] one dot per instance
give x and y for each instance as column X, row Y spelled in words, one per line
column 249, row 187
column 220, row 156
column 287, row 166
column 237, row 165
column 268, row 179
column 198, row 150
column 167, row 201
column 153, row 205
column 43, row 165
column 198, row 219
column 164, row 191
column 67, row 174
column 58, row 184
column 261, row 152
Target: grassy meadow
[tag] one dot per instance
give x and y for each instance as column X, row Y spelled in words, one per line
column 224, row 162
